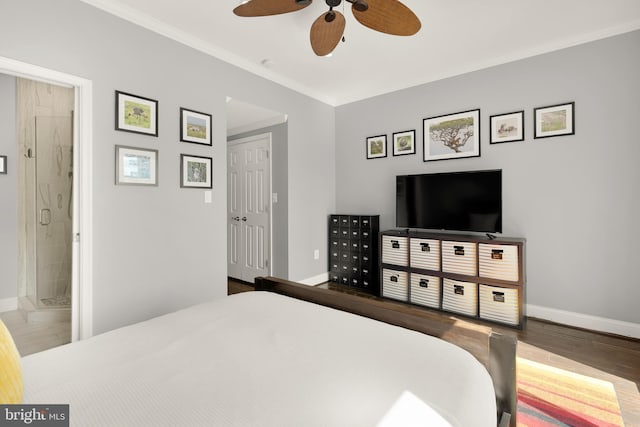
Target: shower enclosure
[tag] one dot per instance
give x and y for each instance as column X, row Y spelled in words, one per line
column 46, row 181
column 52, row 197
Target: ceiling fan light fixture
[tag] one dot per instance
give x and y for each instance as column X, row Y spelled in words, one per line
column 330, row 16
column 360, row 5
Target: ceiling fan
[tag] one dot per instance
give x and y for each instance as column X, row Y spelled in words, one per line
column 386, row 16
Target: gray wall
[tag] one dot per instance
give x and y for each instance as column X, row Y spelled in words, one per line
column 574, row 198
column 8, row 190
column 160, row 249
column 280, row 185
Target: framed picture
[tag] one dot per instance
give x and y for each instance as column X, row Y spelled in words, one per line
column 136, row 114
column 507, row 127
column 376, row 146
column 3, row 164
column 195, row 171
column 554, row 120
column 404, row 143
column 136, row 166
column 452, row 136
column 195, row 127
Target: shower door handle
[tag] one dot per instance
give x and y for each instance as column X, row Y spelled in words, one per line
column 45, row 216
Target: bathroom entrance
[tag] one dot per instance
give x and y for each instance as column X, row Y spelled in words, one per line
column 45, row 203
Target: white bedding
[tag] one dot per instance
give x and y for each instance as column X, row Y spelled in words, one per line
column 261, row 359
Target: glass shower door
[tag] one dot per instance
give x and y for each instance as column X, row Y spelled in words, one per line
column 53, row 209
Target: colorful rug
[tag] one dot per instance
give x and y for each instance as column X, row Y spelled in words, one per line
column 551, row 397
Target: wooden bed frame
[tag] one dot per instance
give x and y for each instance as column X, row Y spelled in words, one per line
column 495, row 351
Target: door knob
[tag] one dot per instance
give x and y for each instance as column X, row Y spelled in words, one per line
column 235, row 218
column 244, row 218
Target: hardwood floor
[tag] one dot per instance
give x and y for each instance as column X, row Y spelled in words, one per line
column 610, row 358
column 35, row 337
column 606, row 357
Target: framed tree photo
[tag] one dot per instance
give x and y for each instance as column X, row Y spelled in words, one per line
column 136, row 114
column 136, row 166
column 195, row 171
column 555, row 120
column 376, row 146
column 404, row 143
column 452, row 136
column 195, row 127
column 507, row 127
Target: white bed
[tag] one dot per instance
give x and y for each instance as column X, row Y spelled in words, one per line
column 262, row 359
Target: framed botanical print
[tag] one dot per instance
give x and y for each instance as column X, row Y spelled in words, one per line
column 507, row 127
column 195, row 171
column 136, row 114
column 376, row 146
column 452, row 136
column 555, row 120
column 136, row 166
column 195, row 127
column 404, row 143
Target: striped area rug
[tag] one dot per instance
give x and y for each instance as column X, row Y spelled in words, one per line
column 551, row 397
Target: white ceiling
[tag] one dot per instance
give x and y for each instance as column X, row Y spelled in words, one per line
column 457, row 36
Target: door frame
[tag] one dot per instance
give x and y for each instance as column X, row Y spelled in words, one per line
column 82, row 254
column 239, row 141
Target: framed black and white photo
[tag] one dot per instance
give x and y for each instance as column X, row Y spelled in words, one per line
column 195, row 171
column 136, row 114
column 376, row 146
column 3, row 164
column 555, row 120
column 452, row 136
column 195, row 127
column 136, row 166
column 404, row 143
column 507, row 127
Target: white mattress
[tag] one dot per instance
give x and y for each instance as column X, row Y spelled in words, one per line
column 261, row 359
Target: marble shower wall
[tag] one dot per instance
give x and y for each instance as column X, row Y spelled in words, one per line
column 44, row 115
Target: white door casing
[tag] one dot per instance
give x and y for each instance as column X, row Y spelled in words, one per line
column 82, row 254
column 249, row 207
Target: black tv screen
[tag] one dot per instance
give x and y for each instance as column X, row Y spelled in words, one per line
column 456, row 201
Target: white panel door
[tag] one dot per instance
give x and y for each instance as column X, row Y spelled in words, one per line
column 249, row 205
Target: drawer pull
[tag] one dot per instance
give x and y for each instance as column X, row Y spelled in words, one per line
column 424, row 283
column 498, row 296
column 458, row 289
column 496, row 253
column 393, row 278
column 458, row 250
column 395, row 244
column 425, row 247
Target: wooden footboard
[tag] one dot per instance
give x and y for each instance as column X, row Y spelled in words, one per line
column 495, row 351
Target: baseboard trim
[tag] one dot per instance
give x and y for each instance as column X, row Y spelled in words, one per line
column 8, row 304
column 315, row 280
column 586, row 321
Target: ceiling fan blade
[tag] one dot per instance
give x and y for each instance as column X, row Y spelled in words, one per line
column 269, row 7
column 388, row 16
column 325, row 35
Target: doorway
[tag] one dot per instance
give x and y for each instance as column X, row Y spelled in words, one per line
column 79, row 206
column 249, row 207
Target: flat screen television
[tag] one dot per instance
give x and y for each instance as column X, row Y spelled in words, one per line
column 456, row 201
